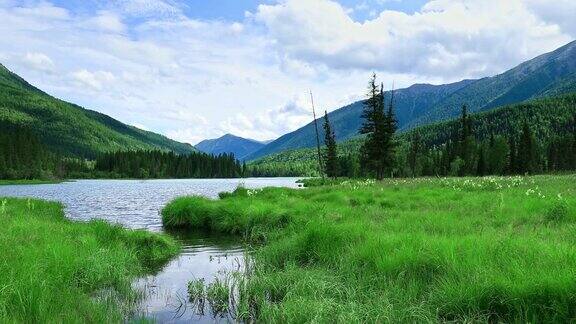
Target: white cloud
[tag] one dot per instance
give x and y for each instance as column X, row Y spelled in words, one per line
column 283, row 119
column 147, row 8
column 106, row 21
column 39, row 61
column 451, row 38
column 140, row 126
column 95, row 80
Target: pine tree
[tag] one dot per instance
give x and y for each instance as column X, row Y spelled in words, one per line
column 390, row 127
column 527, row 151
column 466, row 144
column 372, row 152
column 414, row 154
column 481, row 168
column 331, row 155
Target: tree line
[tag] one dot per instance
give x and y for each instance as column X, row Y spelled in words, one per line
column 523, row 143
column 24, row 156
column 158, row 164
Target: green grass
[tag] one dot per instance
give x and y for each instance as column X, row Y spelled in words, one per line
column 420, row 250
column 53, row 270
column 26, row 182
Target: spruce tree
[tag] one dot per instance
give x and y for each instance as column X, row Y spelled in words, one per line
column 414, row 154
column 331, row 155
column 390, row 127
column 527, row 151
column 466, row 144
column 372, row 154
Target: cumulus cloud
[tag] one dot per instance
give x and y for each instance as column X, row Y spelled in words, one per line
column 106, row 21
column 39, row 61
column 268, row 125
column 95, row 80
column 452, row 38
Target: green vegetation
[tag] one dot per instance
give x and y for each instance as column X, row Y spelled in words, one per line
column 331, row 165
column 493, row 136
column 493, row 249
column 377, row 153
column 156, row 164
column 67, row 129
column 54, row 270
column 26, row 182
column 22, row 156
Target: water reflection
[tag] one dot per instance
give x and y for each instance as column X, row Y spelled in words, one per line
column 206, row 258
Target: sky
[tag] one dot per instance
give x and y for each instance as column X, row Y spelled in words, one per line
column 197, row 69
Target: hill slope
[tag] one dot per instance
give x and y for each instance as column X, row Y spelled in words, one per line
column 69, row 129
column 229, row 143
column 547, row 117
column 549, row 74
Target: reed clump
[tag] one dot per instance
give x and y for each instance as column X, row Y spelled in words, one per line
column 53, row 270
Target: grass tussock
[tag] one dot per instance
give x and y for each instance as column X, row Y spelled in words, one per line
column 420, row 250
column 54, row 270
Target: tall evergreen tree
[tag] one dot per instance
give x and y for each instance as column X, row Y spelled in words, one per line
column 331, row 155
column 414, row 154
column 466, row 144
column 390, row 127
column 372, row 152
column 527, row 156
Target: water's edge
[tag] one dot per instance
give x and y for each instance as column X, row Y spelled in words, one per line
column 137, row 204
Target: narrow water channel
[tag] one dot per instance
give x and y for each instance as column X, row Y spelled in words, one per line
column 205, row 257
column 137, row 204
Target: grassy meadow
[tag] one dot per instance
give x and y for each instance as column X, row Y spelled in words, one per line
column 407, row 250
column 53, row 270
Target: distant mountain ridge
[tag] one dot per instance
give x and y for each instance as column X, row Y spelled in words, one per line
column 69, row 129
column 549, row 74
column 239, row 146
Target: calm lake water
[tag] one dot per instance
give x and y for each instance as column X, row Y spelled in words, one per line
column 137, row 204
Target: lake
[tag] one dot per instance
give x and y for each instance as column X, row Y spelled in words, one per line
column 136, row 204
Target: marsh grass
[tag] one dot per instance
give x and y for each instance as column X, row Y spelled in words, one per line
column 53, row 270
column 494, row 249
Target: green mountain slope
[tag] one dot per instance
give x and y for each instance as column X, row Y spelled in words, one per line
column 549, row 74
column 69, row 129
column 547, row 117
column 229, row 143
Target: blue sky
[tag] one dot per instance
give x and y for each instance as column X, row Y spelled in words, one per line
column 195, row 69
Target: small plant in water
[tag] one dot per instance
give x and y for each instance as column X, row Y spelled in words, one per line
column 196, row 289
column 196, row 294
column 218, row 296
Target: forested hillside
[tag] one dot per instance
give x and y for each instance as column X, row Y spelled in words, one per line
column 549, row 74
column 68, row 129
column 550, row 123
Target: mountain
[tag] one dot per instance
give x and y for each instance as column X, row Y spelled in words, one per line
column 549, row 74
column 547, row 117
column 229, row 143
column 69, row 129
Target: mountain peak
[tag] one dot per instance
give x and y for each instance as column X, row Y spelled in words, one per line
column 230, row 143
